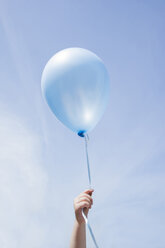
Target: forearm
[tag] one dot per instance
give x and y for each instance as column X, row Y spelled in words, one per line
column 78, row 238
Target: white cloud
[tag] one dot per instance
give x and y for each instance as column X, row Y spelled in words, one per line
column 23, row 183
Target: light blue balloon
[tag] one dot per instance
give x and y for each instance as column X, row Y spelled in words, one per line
column 75, row 84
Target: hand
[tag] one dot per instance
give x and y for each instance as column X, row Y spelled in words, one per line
column 83, row 201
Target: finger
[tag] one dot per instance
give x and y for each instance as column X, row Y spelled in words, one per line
column 89, row 191
column 85, row 196
column 83, row 205
column 88, row 194
column 84, row 199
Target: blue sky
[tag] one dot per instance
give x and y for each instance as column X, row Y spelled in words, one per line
column 42, row 163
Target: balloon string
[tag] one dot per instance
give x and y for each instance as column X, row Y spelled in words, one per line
column 90, row 229
column 87, row 157
column 89, row 178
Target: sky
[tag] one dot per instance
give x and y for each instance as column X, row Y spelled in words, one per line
column 42, row 163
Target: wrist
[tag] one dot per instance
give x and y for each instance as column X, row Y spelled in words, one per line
column 79, row 217
column 80, row 222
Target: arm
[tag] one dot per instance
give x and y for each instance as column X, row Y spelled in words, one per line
column 83, row 201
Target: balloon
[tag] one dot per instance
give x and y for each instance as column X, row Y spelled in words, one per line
column 75, row 84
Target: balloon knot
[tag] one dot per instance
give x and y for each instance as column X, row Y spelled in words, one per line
column 81, row 133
